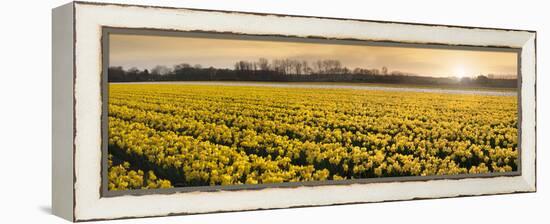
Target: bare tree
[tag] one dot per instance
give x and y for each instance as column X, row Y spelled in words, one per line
column 181, row 66
column 318, row 67
column 160, row 70
column 384, row 70
column 305, row 68
column 263, row 64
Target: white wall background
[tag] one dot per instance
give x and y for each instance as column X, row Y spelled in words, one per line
column 25, row 112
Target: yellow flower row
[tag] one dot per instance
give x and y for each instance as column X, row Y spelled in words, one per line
column 196, row 132
column 122, row 177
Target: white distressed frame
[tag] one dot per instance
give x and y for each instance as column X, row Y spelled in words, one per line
column 89, row 20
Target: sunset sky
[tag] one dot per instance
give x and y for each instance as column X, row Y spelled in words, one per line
column 145, row 52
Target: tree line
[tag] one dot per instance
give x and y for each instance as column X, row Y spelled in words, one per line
column 291, row 70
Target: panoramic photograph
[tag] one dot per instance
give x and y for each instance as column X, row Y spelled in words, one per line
column 213, row 110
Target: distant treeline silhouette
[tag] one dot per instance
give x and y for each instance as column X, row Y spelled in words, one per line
column 290, row 70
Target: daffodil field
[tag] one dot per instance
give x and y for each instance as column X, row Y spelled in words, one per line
column 122, row 177
column 170, row 135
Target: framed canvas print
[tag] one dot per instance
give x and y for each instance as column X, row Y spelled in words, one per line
column 169, row 111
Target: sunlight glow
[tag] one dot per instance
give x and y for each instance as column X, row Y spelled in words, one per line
column 459, row 72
